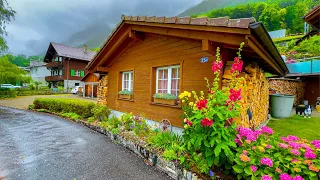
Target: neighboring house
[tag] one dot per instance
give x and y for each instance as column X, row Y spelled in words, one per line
column 38, row 71
column 66, row 64
column 148, row 55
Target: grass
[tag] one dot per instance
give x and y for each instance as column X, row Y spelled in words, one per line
column 297, row 125
column 288, row 38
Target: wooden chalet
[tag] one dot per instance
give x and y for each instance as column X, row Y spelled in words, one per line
column 148, row 55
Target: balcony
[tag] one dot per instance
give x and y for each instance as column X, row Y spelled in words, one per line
column 54, row 78
column 305, row 66
column 54, row 64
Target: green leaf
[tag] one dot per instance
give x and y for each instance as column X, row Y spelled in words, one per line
column 248, row 170
column 212, row 142
column 276, row 154
column 238, row 168
column 182, row 159
column 220, row 115
column 217, row 150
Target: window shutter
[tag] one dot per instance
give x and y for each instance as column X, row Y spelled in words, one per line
column 72, row 72
column 82, row 73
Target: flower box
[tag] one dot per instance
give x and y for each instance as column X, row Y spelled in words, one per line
column 165, row 101
column 125, row 96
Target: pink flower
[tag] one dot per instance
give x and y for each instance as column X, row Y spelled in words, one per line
column 206, row 122
column 295, row 160
column 266, row 161
column 202, row 104
column 253, row 147
column 285, row 139
column 294, row 145
column 254, row 168
column 285, row 177
column 298, row 178
column 245, row 152
column 282, row 145
column 216, row 66
column 237, row 65
column 267, row 130
column 316, row 143
column 188, row 122
column 235, row 95
column 310, row 155
column 293, row 138
column 307, row 147
column 295, row 152
column 266, row 177
column 269, row 146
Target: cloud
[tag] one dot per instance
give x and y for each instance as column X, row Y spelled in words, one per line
column 40, row 21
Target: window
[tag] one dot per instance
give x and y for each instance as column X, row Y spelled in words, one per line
column 55, row 72
column 60, row 73
column 60, row 59
column 127, row 81
column 168, row 80
column 77, row 73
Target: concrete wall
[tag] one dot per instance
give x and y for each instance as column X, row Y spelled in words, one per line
column 38, row 73
column 71, row 83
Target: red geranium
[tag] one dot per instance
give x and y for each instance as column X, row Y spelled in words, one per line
column 206, row 122
column 202, row 104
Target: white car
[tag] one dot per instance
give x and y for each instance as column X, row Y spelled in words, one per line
column 9, row 86
column 75, row 89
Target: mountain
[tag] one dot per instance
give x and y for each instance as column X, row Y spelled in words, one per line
column 93, row 36
column 208, row 5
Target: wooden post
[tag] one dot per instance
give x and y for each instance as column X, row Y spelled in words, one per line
column 91, row 90
column 84, row 90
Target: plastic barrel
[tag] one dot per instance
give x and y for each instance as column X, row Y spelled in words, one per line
column 281, row 105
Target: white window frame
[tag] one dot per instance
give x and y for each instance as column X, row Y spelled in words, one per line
column 130, row 80
column 169, row 68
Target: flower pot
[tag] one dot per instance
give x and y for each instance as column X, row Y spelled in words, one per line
column 125, row 96
column 165, row 101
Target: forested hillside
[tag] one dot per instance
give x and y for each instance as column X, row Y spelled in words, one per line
column 275, row 14
column 22, row 60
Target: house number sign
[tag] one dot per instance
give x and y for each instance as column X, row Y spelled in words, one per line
column 204, row 60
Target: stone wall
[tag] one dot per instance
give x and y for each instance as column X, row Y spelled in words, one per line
column 103, row 90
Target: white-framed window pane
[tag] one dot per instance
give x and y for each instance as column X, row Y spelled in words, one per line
column 168, row 79
column 127, row 81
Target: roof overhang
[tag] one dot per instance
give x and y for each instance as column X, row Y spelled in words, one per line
column 313, row 17
column 217, row 31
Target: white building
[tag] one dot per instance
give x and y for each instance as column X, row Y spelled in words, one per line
column 38, row 71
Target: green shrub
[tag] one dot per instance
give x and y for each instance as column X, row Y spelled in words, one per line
column 73, row 116
column 91, row 119
column 80, row 107
column 127, row 121
column 113, row 122
column 115, row 131
column 166, row 96
column 140, row 127
column 7, row 93
column 164, row 140
column 28, row 92
column 101, row 112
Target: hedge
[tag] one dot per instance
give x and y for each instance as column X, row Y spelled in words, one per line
column 80, row 107
column 28, row 92
column 7, row 93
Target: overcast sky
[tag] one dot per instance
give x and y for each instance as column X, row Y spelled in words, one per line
column 38, row 22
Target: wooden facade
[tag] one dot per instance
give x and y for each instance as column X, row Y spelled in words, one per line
column 91, row 82
column 141, row 47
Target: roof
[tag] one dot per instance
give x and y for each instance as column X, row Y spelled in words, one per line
column 71, row 52
column 312, row 17
column 242, row 25
column 36, row 63
column 95, row 74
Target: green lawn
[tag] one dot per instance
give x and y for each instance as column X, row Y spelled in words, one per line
column 287, row 38
column 297, row 125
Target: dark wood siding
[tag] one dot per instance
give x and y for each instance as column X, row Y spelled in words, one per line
column 75, row 65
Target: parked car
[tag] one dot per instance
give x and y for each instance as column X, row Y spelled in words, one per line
column 75, row 89
column 9, row 86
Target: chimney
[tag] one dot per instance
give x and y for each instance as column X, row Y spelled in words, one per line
column 85, row 48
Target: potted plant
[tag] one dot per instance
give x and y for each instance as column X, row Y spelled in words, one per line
column 125, row 94
column 165, row 98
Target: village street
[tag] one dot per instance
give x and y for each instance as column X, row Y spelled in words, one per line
column 37, row 146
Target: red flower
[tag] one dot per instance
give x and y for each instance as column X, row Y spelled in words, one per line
column 229, row 122
column 206, row 122
column 234, row 95
column 189, row 122
column 216, row 66
column 202, row 104
column 237, row 65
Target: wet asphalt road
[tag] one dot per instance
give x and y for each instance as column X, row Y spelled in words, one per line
column 38, row 146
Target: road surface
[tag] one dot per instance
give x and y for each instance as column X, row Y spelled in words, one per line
column 38, row 146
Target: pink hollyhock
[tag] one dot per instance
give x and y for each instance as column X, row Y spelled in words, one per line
column 216, row 66
column 235, row 95
column 254, row 168
column 282, row 145
column 266, row 177
column 297, row 178
column 237, row 65
column 285, row 177
column 293, row 138
column 267, row 130
column 266, row 161
column 310, row 155
column 202, row 104
column 206, row 122
column 295, row 152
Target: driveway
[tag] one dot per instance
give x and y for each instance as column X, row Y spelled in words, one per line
column 38, row 146
column 22, row 102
